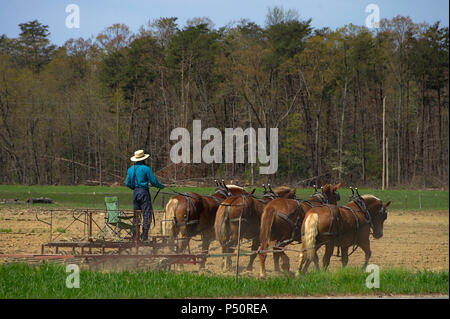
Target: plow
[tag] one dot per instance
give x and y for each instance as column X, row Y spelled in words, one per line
column 107, row 242
column 98, row 248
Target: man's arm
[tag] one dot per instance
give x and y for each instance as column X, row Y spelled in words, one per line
column 151, row 177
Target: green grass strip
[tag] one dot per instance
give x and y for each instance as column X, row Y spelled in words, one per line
column 49, row 281
column 93, row 196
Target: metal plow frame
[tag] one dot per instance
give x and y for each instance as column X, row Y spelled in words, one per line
column 107, row 250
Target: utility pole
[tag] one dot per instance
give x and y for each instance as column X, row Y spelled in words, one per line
column 387, row 162
column 383, row 175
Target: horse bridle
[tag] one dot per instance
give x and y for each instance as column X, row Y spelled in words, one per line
column 325, row 199
column 321, row 196
column 338, row 196
column 359, row 201
column 222, row 192
column 270, row 195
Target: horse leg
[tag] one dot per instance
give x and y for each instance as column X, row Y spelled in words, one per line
column 276, row 259
column 365, row 246
column 227, row 262
column 344, row 256
column 301, row 263
column 329, row 248
column 316, row 260
column 303, row 260
column 305, row 264
column 181, row 248
column 255, row 245
column 183, row 243
column 205, row 247
column 262, row 264
column 262, row 260
column 286, row 264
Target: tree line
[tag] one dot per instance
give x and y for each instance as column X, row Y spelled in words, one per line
column 76, row 113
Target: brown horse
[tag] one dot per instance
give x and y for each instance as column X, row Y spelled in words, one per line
column 281, row 221
column 194, row 214
column 249, row 209
column 341, row 226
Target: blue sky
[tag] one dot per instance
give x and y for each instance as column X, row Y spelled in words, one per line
column 96, row 15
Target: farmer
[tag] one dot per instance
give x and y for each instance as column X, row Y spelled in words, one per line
column 138, row 177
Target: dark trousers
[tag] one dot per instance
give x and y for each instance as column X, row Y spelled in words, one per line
column 142, row 201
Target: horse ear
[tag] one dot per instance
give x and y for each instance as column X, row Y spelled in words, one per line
column 337, row 186
column 387, row 204
column 253, row 190
column 322, row 182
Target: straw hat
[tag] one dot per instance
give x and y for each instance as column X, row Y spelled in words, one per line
column 139, row 156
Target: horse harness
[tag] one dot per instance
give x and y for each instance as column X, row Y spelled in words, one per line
column 236, row 220
column 270, row 196
column 186, row 221
column 321, row 197
column 359, row 201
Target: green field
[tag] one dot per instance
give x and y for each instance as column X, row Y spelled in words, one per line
column 92, row 196
column 49, row 281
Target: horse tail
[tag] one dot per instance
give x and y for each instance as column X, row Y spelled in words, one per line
column 221, row 224
column 171, row 211
column 309, row 239
column 267, row 218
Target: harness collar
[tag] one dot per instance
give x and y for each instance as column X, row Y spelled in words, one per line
column 321, row 197
column 222, row 192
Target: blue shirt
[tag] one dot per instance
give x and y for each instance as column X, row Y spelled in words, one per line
column 143, row 175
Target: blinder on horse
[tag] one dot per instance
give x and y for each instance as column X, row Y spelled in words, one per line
column 383, row 211
column 337, row 195
column 324, row 196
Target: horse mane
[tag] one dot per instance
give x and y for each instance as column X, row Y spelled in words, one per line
column 280, row 189
column 235, row 187
column 368, row 196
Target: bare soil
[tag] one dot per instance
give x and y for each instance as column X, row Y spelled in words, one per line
column 415, row 240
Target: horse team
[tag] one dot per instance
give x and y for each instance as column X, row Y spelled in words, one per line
column 231, row 213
